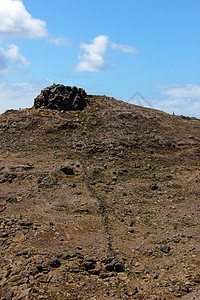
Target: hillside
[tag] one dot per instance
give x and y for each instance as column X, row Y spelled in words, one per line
column 99, row 203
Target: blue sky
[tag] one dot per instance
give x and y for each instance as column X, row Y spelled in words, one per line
column 116, row 48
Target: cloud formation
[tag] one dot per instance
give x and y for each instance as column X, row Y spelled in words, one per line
column 11, row 59
column 181, row 91
column 182, row 99
column 16, row 95
column 60, row 41
column 20, row 94
column 94, row 59
column 124, row 48
column 16, row 22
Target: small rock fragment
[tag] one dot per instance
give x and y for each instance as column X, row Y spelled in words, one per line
column 165, row 249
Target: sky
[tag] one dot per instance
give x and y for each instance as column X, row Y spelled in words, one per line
column 144, row 52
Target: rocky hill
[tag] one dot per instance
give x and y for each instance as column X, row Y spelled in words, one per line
column 99, row 199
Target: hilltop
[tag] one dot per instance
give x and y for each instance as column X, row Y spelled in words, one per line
column 99, row 199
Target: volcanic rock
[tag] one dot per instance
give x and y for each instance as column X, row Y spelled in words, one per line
column 62, row 97
column 67, row 170
column 95, row 203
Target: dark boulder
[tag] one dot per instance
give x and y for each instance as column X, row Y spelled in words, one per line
column 115, row 266
column 67, row 170
column 89, row 264
column 62, row 97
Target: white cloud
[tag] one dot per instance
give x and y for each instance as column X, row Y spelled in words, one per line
column 60, row 41
column 124, row 48
column 94, row 57
column 14, row 55
column 16, row 22
column 11, row 59
column 182, row 99
column 178, row 106
column 181, row 91
column 21, row 94
column 16, row 95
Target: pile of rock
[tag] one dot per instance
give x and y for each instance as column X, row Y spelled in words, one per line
column 62, row 97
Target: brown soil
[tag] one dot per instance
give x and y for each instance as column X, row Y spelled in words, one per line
column 122, row 225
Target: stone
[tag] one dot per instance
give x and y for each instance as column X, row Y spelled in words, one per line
column 166, row 249
column 54, row 263
column 66, row 256
column 25, row 293
column 62, row 98
column 106, row 275
column 119, row 267
column 89, row 264
column 110, row 267
column 94, row 271
column 115, row 266
column 153, row 186
column 135, row 291
column 4, row 235
column 67, row 170
column 130, row 223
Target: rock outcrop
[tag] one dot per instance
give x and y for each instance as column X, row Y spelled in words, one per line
column 62, row 97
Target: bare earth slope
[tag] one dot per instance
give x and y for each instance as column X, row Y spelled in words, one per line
column 100, row 203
